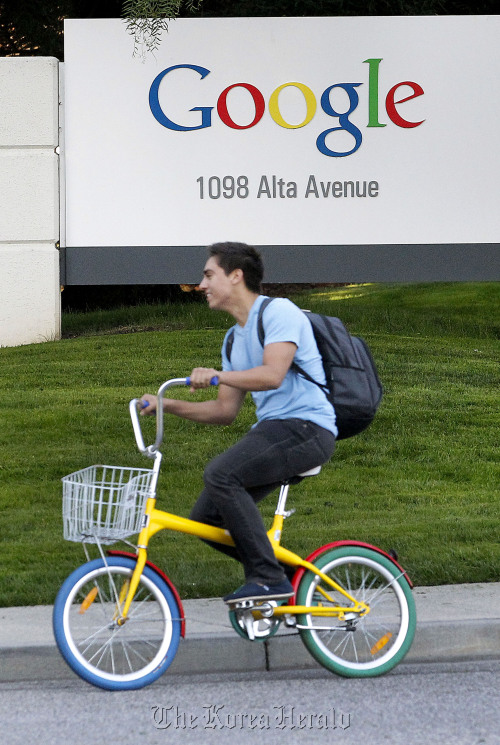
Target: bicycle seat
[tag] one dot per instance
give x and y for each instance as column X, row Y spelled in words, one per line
column 311, row 472
column 298, row 478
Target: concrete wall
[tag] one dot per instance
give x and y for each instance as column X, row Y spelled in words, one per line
column 29, row 200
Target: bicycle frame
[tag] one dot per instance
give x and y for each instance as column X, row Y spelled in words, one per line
column 156, row 520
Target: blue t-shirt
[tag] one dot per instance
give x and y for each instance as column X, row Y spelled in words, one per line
column 296, row 397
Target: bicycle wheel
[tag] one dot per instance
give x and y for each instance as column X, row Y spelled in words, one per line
column 358, row 646
column 91, row 641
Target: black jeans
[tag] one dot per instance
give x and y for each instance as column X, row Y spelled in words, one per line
column 270, row 453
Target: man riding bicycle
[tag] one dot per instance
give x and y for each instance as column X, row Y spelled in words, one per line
column 295, row 429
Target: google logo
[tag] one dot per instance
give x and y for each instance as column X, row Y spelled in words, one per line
column 204, row 119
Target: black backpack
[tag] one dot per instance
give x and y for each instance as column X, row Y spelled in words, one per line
column 352, row 383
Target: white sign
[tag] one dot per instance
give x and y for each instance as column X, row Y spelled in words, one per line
column 284, row 131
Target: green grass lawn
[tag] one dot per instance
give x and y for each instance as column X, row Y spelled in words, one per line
column 423, row 479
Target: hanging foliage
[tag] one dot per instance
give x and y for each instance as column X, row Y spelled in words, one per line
column 35, row 27
column 147, row 20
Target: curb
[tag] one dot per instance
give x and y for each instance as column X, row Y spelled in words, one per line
column 226, row 653
column 455, row 623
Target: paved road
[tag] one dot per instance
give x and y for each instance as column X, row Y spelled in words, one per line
column 447, row 704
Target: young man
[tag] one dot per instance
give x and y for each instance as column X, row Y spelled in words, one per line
column 295, row 429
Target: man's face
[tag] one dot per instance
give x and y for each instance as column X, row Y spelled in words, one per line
column 217, row 285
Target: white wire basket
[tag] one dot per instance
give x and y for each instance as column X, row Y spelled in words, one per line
column 104, row 504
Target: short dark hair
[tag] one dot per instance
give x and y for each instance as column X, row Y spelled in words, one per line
column 231, row 256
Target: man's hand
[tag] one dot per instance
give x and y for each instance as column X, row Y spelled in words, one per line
column 148, row 405
column 201, row 376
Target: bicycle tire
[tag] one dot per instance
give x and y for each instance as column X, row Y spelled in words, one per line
column 358, row 646
column 109, row 656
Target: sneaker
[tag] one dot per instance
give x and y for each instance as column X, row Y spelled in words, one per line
column 254, row 591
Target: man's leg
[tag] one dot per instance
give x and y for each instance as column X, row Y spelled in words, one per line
column 204, row 511
column 270, row 453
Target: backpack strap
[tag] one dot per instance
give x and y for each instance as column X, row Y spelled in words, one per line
column 294, row 367
column 260, row 328
column 300, row 371
column 261, row 334
column 260, row 320
column 229, row 345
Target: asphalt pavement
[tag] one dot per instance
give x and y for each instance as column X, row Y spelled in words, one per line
column 455, row 622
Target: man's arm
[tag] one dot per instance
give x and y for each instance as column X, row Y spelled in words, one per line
column 223, row 410
column 276, row 362
column 233, row 385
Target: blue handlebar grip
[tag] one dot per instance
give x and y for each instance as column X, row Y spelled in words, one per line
column 214, row 381
column 144, row 405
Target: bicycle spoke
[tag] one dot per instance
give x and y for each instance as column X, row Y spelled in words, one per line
column 358, row 644
column 113, row 655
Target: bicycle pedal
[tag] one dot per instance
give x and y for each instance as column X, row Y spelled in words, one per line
column 242, row 604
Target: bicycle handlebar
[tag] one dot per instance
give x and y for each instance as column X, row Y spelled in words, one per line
column 151, row 450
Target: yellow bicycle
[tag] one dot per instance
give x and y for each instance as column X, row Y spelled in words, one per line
column 118, row 619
